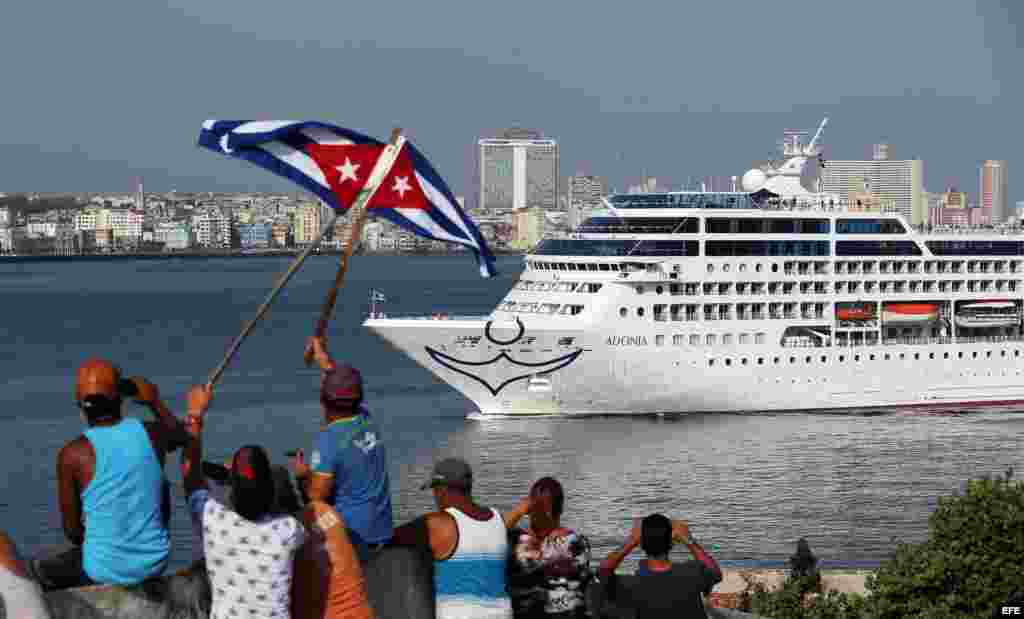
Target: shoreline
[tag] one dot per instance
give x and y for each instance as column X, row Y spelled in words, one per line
column 208, row 255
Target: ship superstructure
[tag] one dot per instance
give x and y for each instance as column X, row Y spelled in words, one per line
column 743, row 301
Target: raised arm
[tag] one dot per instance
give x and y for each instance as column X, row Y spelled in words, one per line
column 615, row 557
column 319, row 347
column 191, row 463
column 701, row 555
column 513, row 516
column 171, row 430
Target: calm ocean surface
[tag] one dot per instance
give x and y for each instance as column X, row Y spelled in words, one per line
column 752, row 484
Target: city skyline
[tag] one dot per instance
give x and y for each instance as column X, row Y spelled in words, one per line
column 97, row 117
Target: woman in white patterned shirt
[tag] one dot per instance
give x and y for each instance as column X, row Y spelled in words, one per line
column 249, row 550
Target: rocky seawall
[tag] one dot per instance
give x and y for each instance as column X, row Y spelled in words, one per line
column 399, row 583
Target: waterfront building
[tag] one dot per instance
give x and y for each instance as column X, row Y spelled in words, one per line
column 308, row 220
column 41, row 229
column 126, row 226
column 954, row 199
column 529, row 227
column 212, row 228
column 386, row 242
column 982, row 216
column 255, row 235
column 992, row 193
column 902, row 182
column 92, row 218
column 65, row 240
column 282, row 234
column 371, row 235
column 11, row 238
column 104, row 239
column 584, row 197
column 517, row 170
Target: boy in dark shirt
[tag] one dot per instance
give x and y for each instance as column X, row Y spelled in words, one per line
column 662, row 588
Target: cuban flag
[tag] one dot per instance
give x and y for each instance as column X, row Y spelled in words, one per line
column 334, row 163
column 377, row 296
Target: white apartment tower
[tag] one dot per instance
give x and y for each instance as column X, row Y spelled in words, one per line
column 899, row 182
column 518, row 170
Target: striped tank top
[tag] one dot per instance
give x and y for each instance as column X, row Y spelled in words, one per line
column 471, row 583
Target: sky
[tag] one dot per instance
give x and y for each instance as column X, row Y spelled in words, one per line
column 97, row 94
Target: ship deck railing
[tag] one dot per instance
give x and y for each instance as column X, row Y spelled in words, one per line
column 436, row 316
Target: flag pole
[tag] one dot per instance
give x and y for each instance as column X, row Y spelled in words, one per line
column 357, row 221
column 219, row 370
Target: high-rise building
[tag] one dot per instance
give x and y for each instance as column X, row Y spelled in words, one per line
column 992, row 194
column 519, row 169
column 140, row 197
column 900, row 183
column 584, row 197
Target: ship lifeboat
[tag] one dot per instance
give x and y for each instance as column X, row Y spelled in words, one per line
column 910, row 312
column 856, row 313
column 988, row 314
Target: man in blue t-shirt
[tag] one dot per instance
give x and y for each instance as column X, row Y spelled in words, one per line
column 348, row 466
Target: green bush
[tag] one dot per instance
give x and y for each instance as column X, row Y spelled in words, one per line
column 790, row 602
column 970, row 564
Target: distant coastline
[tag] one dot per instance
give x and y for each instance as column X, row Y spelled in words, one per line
column 193, row 255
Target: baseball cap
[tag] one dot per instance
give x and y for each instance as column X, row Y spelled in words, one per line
column 97, row 377
column 450, row 472
column 342, row 383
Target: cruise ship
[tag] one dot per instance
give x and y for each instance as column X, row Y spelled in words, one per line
column 772, row 298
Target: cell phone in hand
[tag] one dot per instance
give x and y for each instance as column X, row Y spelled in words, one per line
column 291, row 453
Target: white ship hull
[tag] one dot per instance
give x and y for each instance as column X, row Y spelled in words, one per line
column 619, row 373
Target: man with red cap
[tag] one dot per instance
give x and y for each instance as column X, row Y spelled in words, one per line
column 348, row 464
column 114, row 499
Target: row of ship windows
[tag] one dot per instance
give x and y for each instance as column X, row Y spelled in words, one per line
column 859, row 358
column 929, row 266
column 578, row 287
column 568, row 309
column 746, row 225
column 847, row 287
column 725, row 311
column 818, row 267
column 986, row 285
column 711, row 339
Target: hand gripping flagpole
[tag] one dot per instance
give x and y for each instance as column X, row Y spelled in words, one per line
column 389, row 154
column 357, row 221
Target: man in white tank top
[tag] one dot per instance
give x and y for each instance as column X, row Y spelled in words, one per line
column 469, row 544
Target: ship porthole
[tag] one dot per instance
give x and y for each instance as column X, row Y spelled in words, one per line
column 623, row 311
column 659, row 290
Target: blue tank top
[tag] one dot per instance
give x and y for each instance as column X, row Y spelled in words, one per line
column 126, row 541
